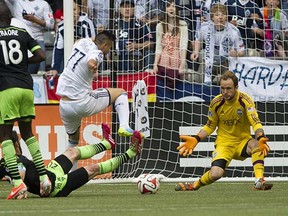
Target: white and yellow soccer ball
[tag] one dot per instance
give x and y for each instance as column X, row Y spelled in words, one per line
column 148, row 184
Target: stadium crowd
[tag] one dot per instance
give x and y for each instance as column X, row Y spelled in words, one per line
column 263, row 27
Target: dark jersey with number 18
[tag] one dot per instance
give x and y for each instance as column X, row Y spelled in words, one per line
column 14, row 45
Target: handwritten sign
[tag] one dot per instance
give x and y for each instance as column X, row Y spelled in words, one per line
column 263, row 79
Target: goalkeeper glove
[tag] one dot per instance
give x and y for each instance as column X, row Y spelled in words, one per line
column 263, row 146
column 188, row 146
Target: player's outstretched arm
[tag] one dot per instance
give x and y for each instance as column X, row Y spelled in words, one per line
column 190, row 142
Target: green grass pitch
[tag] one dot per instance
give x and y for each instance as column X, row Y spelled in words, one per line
column 222, row 198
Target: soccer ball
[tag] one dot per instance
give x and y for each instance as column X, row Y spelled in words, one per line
column 148, row 184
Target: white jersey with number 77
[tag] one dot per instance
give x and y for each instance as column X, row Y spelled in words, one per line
column 76, row 80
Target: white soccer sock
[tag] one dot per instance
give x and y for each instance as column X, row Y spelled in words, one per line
column 122, row 108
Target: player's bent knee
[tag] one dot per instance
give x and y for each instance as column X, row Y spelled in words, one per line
column 218, row 169
column 216, row 173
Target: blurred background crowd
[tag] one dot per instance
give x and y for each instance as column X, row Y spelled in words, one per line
column 172, row 38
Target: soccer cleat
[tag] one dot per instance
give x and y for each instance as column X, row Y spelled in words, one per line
column 128, row 132
column 261, row 184
column 107, row 135
column 136, row 142
column 18, row 192
column 181, row 186
column 45, row 187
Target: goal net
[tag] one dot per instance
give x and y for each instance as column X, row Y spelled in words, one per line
column 182, row 109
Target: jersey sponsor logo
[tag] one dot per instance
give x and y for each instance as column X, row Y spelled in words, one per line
column 123, row 34
column 231, row 122
column 240, row 21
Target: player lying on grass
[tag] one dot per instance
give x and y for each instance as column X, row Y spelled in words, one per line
column 232, row 113
column 63, row 181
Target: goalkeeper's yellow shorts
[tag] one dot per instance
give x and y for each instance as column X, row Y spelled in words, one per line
column 229, row 152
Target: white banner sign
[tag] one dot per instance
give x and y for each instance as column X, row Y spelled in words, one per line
column 263, row 79
column 40, row 91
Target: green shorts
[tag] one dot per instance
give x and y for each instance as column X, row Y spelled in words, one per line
column 61, row 177
column 16, row 104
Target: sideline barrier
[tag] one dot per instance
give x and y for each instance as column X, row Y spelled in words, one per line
column 126, row 81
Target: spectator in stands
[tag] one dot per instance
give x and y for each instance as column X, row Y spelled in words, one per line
column 189, row 11
column 222, row 40
column 171, row 46
column 149, row 12
column 206, row 7
column 58, row 14
column 276, row 24
column 84, row 28
column 246, row 16
column 38, row 15
column 133, row 38
column 284, row 6
column 57, row 8
column 260, row 3
column 99, row 13
column 64, row 182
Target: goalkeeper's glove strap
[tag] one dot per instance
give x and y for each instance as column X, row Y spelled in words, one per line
column 262, row 136
column 197, row 137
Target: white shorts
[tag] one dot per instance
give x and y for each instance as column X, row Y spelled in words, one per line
column 73, row 111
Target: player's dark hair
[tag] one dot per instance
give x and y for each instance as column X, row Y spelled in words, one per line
column 218, row 7
column 5, row 14
column 104, row 36
column 164, row 18
column 229, row 75
column 78, row 2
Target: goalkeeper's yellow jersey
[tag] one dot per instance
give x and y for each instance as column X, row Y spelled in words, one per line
column 232, row 119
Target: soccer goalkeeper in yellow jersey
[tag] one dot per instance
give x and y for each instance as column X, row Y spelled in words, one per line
column 232, row 113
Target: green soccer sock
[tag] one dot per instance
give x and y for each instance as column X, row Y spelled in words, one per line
column 11, row 161
column 89, row 151
column 34, row 150
column 113, row 163
column 131, row 153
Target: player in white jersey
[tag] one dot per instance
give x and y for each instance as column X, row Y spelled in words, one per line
column 78, row 99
